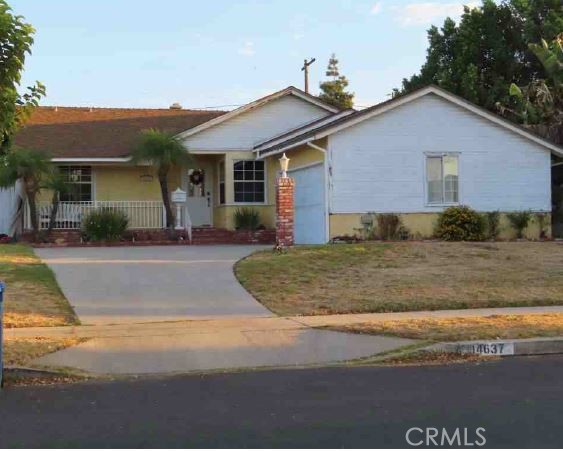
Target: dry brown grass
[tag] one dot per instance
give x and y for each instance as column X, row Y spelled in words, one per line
column 390, row 277
column 21, row 351
column 473, row 328
column 32, row 296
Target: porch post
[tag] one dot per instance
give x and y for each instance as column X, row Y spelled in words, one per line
column 284, row 210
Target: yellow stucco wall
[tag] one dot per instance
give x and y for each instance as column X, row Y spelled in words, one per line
column 421, row 225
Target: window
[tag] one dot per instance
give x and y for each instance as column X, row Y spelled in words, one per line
column 221, row 182
column 249, row 181
column 79, row 182
column 442, row 179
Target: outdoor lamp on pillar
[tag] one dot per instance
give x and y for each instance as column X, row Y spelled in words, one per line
column 284, row 164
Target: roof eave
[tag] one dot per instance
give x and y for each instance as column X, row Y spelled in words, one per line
column 376, row 110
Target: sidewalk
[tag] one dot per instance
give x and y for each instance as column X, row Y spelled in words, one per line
column 244, row 342
column 251, row 323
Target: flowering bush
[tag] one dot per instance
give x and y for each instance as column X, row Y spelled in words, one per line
column 460, row 223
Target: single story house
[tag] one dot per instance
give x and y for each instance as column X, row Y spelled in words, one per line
column 413, row 155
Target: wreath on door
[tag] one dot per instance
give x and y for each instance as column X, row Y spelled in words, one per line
column 196, row 177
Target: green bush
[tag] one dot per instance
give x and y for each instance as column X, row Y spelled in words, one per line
column 493, row 224
column 246, row 219
column 460, row 223
column 542, row 219
column 519, row 220
column 388, row 225
column 105, row 224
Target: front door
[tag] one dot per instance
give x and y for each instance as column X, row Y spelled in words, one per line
column 199, row 185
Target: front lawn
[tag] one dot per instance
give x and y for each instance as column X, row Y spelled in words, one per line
column 21, row 351
column 461, row 329
column 32, row 296
column 391, row 277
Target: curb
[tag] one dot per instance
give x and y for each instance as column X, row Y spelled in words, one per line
column 502, row 348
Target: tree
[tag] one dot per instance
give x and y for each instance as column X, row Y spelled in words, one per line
column 162, row 150
column 539, row 104
column 16, row 39
column 481, row 56
column 31, row 166
column 57, row 185
column 334, row 90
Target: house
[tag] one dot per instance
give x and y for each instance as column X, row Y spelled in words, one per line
column 413, row 156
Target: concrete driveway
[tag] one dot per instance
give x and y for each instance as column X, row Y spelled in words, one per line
column 109, row 285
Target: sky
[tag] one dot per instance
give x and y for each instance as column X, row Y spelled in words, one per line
column 139, row 53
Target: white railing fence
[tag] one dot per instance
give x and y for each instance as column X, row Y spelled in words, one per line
column 142, row 214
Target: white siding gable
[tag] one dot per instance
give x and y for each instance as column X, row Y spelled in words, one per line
column 244, row 131
column 379, row 164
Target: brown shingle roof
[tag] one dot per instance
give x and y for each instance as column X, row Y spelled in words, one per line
column 101, row 132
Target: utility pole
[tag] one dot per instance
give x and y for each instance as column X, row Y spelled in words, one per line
column 305, row 69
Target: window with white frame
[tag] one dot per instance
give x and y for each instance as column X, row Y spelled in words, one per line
column 249, row 181
column 442, row 179
column 78, row 180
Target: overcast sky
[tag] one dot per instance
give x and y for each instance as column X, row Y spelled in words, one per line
column 138, row 53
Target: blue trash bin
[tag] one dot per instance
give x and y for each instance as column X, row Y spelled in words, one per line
column 1, row 334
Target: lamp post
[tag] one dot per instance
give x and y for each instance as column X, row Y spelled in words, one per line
column 284, row 164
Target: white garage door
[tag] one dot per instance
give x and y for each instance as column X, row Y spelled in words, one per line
column 309, row 201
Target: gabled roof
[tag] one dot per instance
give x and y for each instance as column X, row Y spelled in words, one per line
column 100, row 134
column 291, row 90
column 298, row 131
column 314, row 132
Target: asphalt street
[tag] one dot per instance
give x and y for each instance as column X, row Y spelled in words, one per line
column 518, row 402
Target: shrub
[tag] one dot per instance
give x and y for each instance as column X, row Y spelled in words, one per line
column 105, row 224
column 460, row 223
column 519, row 220
column 542, row 224
column 388, row 225
column 493, row 224
column 246, row 219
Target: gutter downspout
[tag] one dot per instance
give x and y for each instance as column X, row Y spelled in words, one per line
column 328, row 191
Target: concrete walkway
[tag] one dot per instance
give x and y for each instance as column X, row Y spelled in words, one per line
column 207, row 345
column 109, row 285
column 184, row 346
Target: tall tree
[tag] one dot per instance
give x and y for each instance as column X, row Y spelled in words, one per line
column 481, row 56
column 16, row 39
column 334, row 89
column 32, row 167
column 162, row 150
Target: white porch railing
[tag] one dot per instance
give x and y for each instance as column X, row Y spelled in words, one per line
column 142, row 214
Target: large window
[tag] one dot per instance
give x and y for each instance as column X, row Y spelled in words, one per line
column 79, row 183
column 442, row 179
column 249, row 181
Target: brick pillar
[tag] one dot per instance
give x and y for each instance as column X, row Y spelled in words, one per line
column 284, row 211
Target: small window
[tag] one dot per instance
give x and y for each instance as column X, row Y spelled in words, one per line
column 79, row 183
column 249, row 181
column 442, row 179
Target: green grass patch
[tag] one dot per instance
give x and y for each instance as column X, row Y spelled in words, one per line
column 33, row 296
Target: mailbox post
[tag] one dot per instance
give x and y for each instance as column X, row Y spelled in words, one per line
column 179, row 198
column 1, row 334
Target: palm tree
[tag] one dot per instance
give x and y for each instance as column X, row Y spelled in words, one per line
column 162, row 150
column 31, row 166
column 57, row 184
